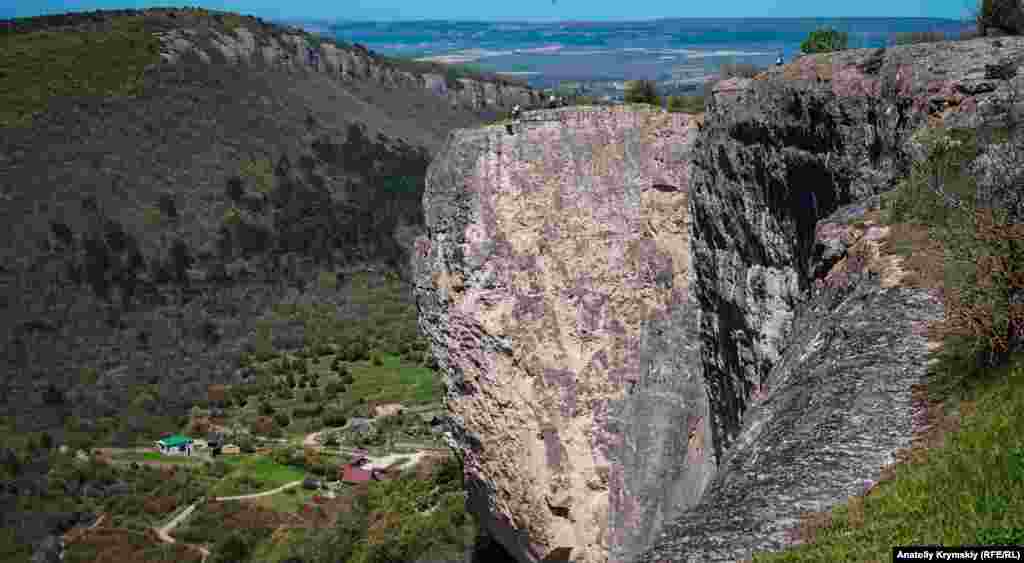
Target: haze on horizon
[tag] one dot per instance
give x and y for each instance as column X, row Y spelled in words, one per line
column 524, row 10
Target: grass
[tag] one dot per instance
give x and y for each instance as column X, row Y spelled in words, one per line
column 285, row 501
column 969, row 491
column 686, row 104
column 263, row 469
column 394, row 382
column 38, row 67
column 154, row 456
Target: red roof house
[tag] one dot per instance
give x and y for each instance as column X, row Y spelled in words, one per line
column 354, row 473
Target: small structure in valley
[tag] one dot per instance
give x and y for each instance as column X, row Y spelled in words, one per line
column 230, row 449
column 175, row 445
column 356, row 472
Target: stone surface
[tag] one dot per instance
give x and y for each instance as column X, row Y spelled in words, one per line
column 554, row 285
column 676, row 374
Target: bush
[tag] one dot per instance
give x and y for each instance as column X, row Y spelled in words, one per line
column 686, row 104
column 912, row 37
column 642, row 92
column 377, row 360
column 1003, row 15
column 334, row 419
column 266, row 409
column 982, row 260
column 825, row 40
column 235, row 547
column 281, row 419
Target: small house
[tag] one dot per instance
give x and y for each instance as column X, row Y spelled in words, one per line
column 230, row 449
column 175, row 445
column 353, row 474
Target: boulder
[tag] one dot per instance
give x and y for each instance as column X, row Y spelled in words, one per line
column 554, row 287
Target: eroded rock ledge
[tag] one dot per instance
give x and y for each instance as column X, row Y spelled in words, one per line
column 554, row 284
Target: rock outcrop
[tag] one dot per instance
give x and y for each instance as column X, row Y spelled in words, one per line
column 254, row 43
column 625, row 388
column 554, row 279
column 812, row 344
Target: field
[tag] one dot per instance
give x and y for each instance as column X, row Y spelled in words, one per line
column 254, row 474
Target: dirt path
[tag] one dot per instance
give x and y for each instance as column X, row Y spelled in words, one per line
column 164, row 532
column 263, row 494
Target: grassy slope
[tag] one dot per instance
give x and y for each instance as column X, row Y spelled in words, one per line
column 970, row 491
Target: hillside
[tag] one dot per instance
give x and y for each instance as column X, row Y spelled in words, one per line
column 170, row 178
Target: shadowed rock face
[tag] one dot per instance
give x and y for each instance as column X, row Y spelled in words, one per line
column 554, row 284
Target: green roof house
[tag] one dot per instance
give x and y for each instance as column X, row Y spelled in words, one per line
column 175, row 445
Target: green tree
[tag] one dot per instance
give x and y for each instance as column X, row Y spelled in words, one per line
column 642, row 92
column 825, row 40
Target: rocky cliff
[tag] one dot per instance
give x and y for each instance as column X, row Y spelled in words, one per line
column 609, row 370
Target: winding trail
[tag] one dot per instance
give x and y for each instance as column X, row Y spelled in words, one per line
column 164, row 532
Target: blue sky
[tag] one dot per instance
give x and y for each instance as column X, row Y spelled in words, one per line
column 522, row 9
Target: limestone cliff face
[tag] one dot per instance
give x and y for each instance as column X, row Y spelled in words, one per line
column 285, row 48
column 662, row 346
column 554, row 280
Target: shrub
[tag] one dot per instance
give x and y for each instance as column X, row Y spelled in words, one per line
column 642, row 92
column 686, row 104
column 825, row 40
column 309, row 397
column 334, row 419
column 281, row 419
column 377, row 360
column 266, row 409
column 912, row 37
column 260, row 173
column 1003, row 15
column 983, row 249
column 235, row 547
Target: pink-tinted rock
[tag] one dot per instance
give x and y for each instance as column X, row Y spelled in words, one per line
column 554, row 287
